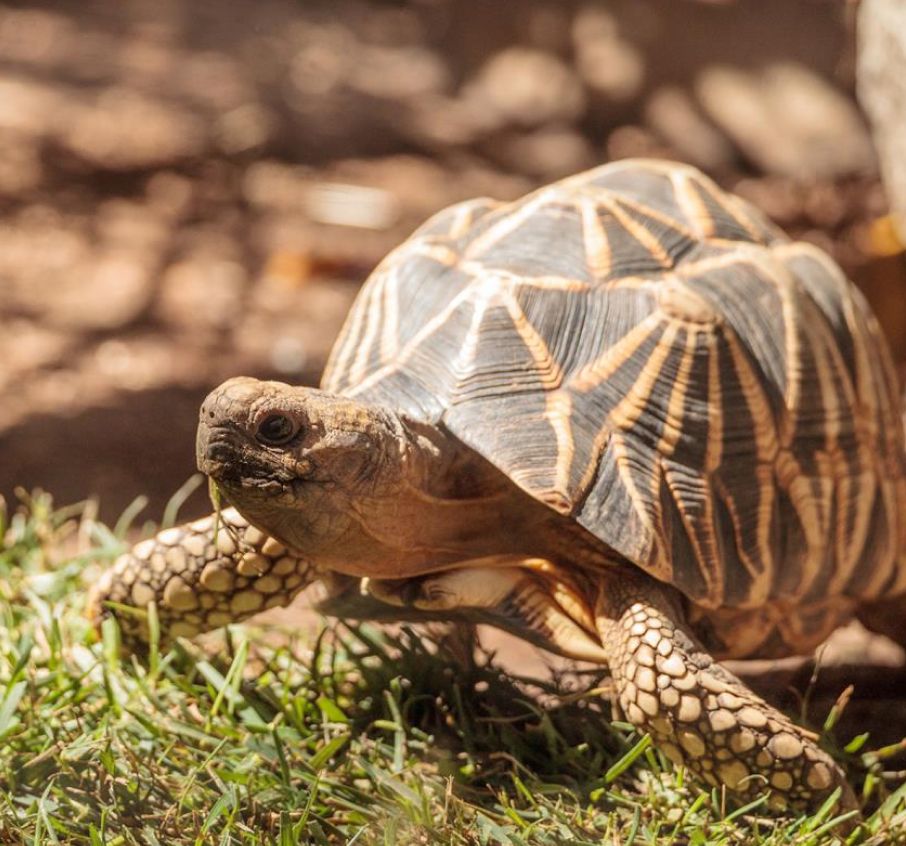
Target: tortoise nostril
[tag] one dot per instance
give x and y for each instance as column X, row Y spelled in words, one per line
column 218, row 451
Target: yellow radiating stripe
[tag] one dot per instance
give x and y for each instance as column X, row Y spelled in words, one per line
column 548, row 283
column 464, row 364
column 690, row 201
column 558, row 405
column 623, row 417
column 626, row 412
column 661, row 564
column 430, row 248
column 427, row 330
column 655, row 214
column 888, row 554
column 855, row 491
column 881, row 433
column 621, row 459
column 591, row 375
column 509, row 223
column 637, row 230
column 557, row 410
column 739, row 254
column 814, row 516
column 802, row 314
column 774, row 272
column 598, row 254
column 715, row 445
column 764, row 433
column 600, row 443
column 825, row 483
column 465, row 215
column 793, row 362
column 387, row 277
column 742, row 212
column 655, row 484
column 731, row 205
column 761, row 574
column 806, row 250
column 351, row 341
column 887, row 396
column 798, row 486
column 462, row 220
column 548, row 370
column 867, row 386
column 766, row 449
column 700, row 532
column 673, row 425
column 822, row 349
column 390, row 338
column 553, row 283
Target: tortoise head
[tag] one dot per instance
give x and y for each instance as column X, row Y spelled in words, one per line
column 298, row 462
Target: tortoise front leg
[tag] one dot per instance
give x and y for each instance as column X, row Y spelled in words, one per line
column 201, row 576
column 698, row 713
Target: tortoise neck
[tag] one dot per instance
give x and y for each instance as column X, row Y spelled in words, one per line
column 441, row 504
column 450, row 505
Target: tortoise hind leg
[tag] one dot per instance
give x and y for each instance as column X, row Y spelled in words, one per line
column 698, row 713
column 537, row 607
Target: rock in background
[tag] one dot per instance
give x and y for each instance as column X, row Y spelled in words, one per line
column 882, row 91
column 881, row 75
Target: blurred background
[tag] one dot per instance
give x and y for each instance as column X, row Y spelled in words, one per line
column 194, row 189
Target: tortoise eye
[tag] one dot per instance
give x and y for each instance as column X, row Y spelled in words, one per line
column 276, row 429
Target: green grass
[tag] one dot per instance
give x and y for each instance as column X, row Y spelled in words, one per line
column 358, row 737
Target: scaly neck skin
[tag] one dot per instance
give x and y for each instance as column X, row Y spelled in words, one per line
column 440, row 505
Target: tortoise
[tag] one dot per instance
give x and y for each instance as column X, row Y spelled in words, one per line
column 624, row 417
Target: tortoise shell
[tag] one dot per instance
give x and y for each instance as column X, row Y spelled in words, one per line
column 647, row 354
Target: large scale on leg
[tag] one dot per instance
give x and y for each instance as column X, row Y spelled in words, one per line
column 624, row 417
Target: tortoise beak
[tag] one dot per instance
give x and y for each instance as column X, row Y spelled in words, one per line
column 225, row 450
column 220, row 418
column 214, row 452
